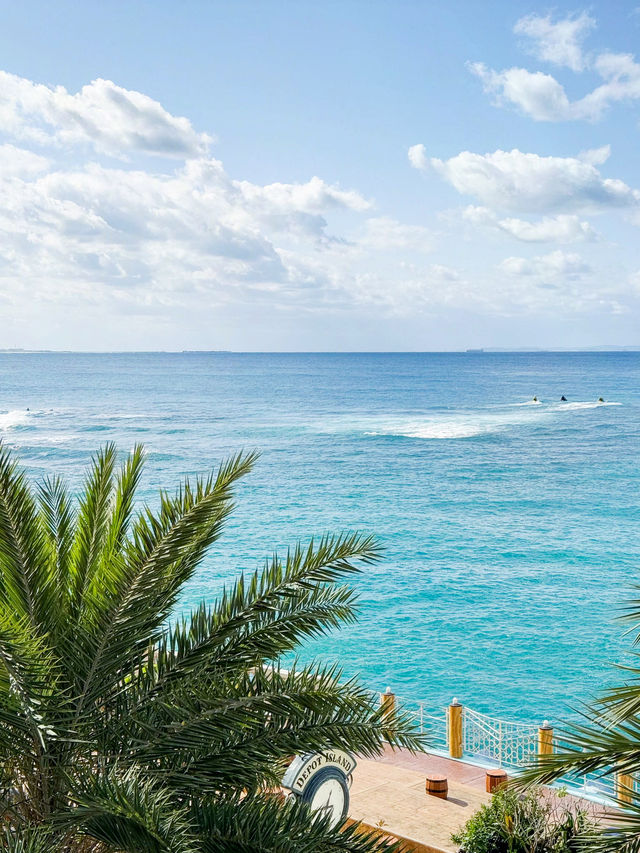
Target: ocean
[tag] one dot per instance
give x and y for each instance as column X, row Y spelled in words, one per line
column 510, row 527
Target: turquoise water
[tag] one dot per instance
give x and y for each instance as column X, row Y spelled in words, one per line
column 510, row 528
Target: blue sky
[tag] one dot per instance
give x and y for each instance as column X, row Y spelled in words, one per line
column 317, row 176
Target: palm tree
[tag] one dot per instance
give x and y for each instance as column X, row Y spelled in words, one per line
column 605, row 743
column 121, row 730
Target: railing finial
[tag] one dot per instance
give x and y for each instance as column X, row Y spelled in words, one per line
column 545, row 739
column 387, row 702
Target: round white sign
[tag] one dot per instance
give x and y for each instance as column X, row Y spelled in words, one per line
column 322, row 781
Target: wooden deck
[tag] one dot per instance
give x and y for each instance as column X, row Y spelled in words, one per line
column 389, row 793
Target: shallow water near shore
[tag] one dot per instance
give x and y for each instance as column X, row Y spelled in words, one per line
column 510, row 527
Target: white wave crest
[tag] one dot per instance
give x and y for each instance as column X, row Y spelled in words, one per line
column 566, row 404
column 120, row 416
column 434, row 430
column 462, row 425
column 587, row 404
column 14, row 418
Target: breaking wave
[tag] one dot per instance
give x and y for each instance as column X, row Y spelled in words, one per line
column 472, row 424
column 14, row 419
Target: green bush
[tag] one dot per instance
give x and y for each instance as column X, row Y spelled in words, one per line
column 533, row 822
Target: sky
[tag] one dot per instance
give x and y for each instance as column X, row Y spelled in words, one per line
column 286, row 175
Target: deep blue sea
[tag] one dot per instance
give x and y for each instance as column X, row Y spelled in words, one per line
column 511, row 527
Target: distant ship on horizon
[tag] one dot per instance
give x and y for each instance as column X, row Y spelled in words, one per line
column 474, row 350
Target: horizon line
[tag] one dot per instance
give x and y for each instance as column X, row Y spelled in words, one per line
column 468, row 351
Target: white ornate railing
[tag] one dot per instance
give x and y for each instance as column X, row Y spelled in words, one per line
column 492, row 741
column 506, row 743
column 484, row 738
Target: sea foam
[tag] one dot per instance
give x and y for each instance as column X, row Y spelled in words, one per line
column 462, row 425
column 587, row 404
column 14, row 419
column 472, row 424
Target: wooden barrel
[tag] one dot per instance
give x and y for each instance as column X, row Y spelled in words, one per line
column 495, row 778
column 437, row 786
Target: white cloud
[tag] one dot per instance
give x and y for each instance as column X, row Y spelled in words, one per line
column 595, row 156
column 417, row 155
column 562, row 284
column 445, row 273
column 112, row 119
column 621, row 74
column 18, row 161
column 312, row 197
column 193, row 230
column 143, row 241
column 540, row 95
column 553, row 267
column 536, row 94
column 385, row 233
column 522, row 182
column 558, row 42
column 563, row 228
column 187, row 238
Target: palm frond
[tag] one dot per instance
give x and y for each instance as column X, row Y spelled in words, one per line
column 32, row 674
column 26, row 586
column 120, row 733
column 92, row 523
column 631, row 613
column 58, row 517
column 36, row 839
column 260, row 600
column 617, row 830
column 262, row 824
column 146, row 578
column 131, row 815
column 127, row 482
column 231, row 732
column 267, row 616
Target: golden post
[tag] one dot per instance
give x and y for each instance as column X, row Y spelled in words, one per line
column 454, row 733
column 545, row 739
column 388, row 701
column 624, row 787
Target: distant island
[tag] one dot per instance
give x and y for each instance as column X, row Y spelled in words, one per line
column 25, row 351
column 603, row 348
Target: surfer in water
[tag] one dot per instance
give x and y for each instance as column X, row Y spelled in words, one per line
column 601, row 399
column 535, row 400
column 563, row 399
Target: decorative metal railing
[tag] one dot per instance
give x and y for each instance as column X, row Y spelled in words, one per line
column 484, row 738
column 429, row 721
column 492, row 741
column 506, row 743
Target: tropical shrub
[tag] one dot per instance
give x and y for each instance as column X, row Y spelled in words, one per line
column 532, row 822
column 121, row 729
